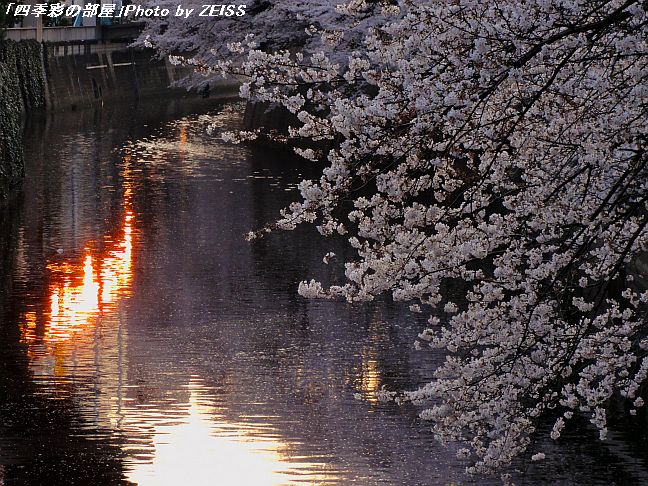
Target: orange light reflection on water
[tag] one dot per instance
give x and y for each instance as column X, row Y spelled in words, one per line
column 80, row 292
column 194, row 444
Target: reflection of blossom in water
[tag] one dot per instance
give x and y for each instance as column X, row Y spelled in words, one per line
column 186, row 151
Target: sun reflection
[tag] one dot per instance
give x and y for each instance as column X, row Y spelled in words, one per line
column 369, row 379
column 82, row 292
column 78, row 336
column 182, row 136
column 203, row 448
column 78, row 294
column 370, row 376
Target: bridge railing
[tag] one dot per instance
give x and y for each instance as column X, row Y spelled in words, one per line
column 124, row 32
column 54, row 34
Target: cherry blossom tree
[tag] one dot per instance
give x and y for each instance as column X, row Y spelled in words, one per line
column 495, row 148
column 277, row 24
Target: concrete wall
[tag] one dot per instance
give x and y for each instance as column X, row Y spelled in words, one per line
column 73, row 75
column 111, row 75
column 53, row 34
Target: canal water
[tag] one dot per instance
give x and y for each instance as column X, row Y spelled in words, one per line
column 143, row 341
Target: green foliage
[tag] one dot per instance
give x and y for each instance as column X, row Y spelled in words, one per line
column 31, row 76
column 5, row 20
column 22, row 87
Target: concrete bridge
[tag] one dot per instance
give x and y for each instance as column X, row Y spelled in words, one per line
column 90, row 34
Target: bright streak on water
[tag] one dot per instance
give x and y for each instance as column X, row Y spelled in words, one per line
column 145, row 342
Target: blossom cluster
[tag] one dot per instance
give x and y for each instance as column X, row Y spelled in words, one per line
column 308, row 25
column 488, row 164
column 111, row 10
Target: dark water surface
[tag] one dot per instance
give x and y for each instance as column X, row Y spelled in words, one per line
column 143, row 341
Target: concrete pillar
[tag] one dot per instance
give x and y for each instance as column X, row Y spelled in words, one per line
column 39, row 29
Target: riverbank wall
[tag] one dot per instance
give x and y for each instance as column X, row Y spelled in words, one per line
column 273, row 123
column 22, row 88
column 69, row 76
column 109, row 73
